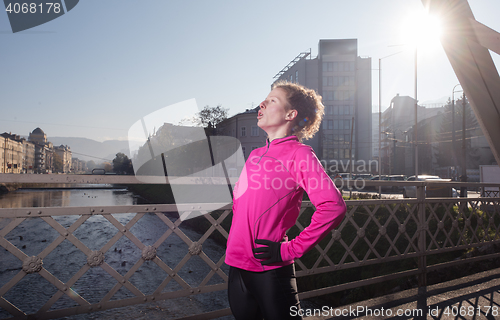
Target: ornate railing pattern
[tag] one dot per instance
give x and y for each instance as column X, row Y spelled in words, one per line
column 373, row 232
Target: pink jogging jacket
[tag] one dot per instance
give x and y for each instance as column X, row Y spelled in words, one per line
column 267, row 201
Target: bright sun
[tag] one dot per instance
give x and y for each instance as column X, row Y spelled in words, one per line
column 422, row 30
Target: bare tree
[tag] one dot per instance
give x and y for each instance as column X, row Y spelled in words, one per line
column 211, row 116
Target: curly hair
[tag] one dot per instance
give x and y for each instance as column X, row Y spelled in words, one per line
column 309, row 107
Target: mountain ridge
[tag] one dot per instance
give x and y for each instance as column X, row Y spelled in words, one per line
column 88, row 149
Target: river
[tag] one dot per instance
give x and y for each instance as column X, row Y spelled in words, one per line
column 32, row 236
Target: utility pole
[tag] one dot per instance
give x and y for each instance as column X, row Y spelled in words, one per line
column 463, row 178
column 351, row 158
column 394, row 154
column 454, row 157
column 416, row 118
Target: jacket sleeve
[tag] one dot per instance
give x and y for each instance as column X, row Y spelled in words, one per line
column 308, row 172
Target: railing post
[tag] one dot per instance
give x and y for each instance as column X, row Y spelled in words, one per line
column 422, row 243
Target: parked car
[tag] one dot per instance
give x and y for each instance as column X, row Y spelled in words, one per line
column 362, row 176
column 395, row 177
column 376, row 178
column 340, row 180
column 434, row 191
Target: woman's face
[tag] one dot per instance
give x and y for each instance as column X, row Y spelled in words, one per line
column 273, row 111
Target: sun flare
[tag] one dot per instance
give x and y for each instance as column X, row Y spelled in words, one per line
column 421, row 30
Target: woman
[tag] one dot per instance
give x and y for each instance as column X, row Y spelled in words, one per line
column 267, row 201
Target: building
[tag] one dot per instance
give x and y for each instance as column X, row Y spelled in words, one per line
column 44, row 151
column 28, row 156
column 343, row 79
column 17, row 155
column 375, row 135
column 78, row 166
column 397, row 146
column 243, row 127
column 39, row 139
column 11, row 154
column 38, row 136
column 64, row 153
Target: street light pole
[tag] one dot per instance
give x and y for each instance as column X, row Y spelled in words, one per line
column 380, row 120
column 453, row 153
column 463, row 178
column 416, row 119
column 380, row 126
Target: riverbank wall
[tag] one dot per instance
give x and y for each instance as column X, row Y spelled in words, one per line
column 9, row 187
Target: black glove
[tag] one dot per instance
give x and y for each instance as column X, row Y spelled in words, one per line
column 271, row 253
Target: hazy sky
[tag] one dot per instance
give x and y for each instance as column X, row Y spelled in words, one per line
column 104, row 65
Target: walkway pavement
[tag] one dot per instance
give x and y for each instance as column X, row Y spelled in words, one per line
column 472, row 297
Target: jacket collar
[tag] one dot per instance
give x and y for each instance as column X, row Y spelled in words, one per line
column 281, row 140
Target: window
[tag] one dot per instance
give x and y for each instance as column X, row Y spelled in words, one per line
column 330, row 124
column 347, row 138
column 340, row 66
column 255, row 131
column 347, row 124
column 297, row 76
column 329, row 109
column 351, row 66
column 346, row 153
column 253, row 148
column 291, row 78
column 328, row 81
column 243, row 132
column 341, row 110
column 351, row 81
column 341, row 153
column 329, row 95
column 335, row 124
column 328, row 140
column 328, row 153
column 244, row 151
column 335, row 110
column 347, row 110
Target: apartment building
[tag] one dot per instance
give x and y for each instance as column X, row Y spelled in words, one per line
column 343, row 79
column 64, row 153
column 78, row 166
column 16, row 154
column 44, row 151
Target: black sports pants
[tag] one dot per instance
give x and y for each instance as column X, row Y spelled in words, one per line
column 266, row 295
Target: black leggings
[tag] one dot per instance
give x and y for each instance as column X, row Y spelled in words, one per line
column 266, row 295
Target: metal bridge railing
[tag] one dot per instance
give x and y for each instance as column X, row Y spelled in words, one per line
column 374, row 232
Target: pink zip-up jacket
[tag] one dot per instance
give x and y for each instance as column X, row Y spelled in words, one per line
column 267, row 201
